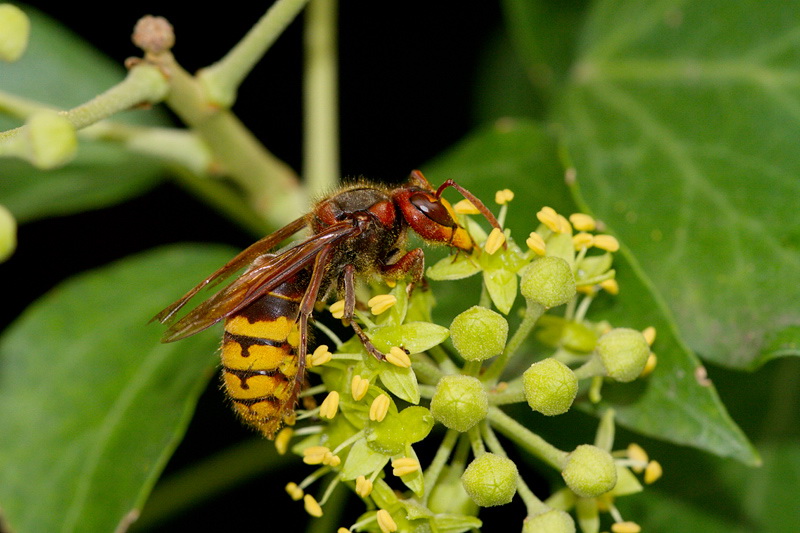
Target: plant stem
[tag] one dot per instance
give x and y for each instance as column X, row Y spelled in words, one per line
column 439, row 460
column 526, row 439
column 320, row 98
column 222, row 79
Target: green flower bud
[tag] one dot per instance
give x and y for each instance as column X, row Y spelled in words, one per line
column 8, row 233
column 459, row 402
column 15, row 28
column 490, row 480
column 590, row 471
column 624, row 353
column 552, row 521
column 52, row 139
column 550, row 387
column 578, row 337
column 548, row 281
column 479, row 333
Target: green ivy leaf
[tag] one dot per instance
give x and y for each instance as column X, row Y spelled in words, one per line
column 94, row 402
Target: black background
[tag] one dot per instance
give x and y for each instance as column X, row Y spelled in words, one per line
column 406, row 73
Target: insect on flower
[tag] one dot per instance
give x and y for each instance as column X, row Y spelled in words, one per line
column 359, row 231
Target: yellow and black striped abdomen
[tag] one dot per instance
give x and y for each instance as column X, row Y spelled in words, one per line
column 259, row 359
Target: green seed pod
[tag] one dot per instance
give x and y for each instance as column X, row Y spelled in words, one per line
column 459, row 402
column 590, row 471
column 552, row 521
column 550, row 387
column 624, row 353
column 490, row 480
column 479, row 333
column 548, row 281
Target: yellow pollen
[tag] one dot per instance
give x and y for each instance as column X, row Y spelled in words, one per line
column 548, row 216
column 606, row 242
column 626, row 527
column 649, row 335
column 504, row 196
column 564, row 225
column 359, row 387
column 337, row 309
column 330, row 405
column 295, row 492
column 582, row 222
column 382, row 302
column 311, row 505
column 321, row 355
column 379, row 408
column 363, row 486
column 610, row 286
column 282, row 440
column 650, row 365
column 398, row 357
column 536, row 243
column 404, row 466
column 315, row 455
column 582, row 240
column 494, row 241
column 637, row 453
column 385, row 521
column 653, row 472
column 465, row 207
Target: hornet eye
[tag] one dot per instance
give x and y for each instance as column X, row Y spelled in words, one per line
column 433, row 209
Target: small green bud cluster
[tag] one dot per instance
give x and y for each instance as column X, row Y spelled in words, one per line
column 624, row 353
column 589, row 471
column 459, row 402
column 548, row 281
column 550, row 387
column 479, row 333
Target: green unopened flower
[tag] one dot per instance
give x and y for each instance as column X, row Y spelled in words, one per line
column 490, row 480
column 590, row 471
column 459, row 402
column 8, row 233
column 52, row 140
column 479, row 333
column 550, row 387
column 15, row 29
column 624, row 353
column 552, row 521
column 548, row 281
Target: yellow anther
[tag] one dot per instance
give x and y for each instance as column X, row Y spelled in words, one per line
column 404, row 466
column 379, row 408
column 636, row 453
column 363, row 486
column 563, row 225
column 653, row 472
column 321, row 355
column 626, row 527
column 398, row 357
column 315, row 455
column 382, row 302
column 294, row 492
column 282, row 440
column 536, row 243
column 649, row 335
column 465, row 207
column 582, row 240
column 359, row 387
column 504, row 196
column 311, row 505
column 390, row 283
column 606, row 242
column 331, row 460
column 494, row 241
column 548, row 216
column 337, row 309
column 342, row 530
column 611, row 286
column 650, row 365
column 330, row 405
column 582, row 222
column 385, row 521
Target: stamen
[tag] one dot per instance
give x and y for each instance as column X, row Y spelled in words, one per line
column 536, row 243
column 465, row 207
column 398, row 357
column 504, row 196
column 379, row 408
column 404, row 466
column 494, row 241
column 359, row 387
column 337, row 309
column 382, row 302
column 582, row 222
column 385, row 521
column 606, row 242
column 330, row 405
column 312, row 507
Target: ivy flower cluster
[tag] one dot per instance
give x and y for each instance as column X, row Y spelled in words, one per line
column 372, row 413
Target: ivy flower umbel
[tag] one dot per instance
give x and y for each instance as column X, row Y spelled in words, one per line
column 375, row 409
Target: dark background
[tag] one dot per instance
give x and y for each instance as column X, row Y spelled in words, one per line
column 406, row 74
